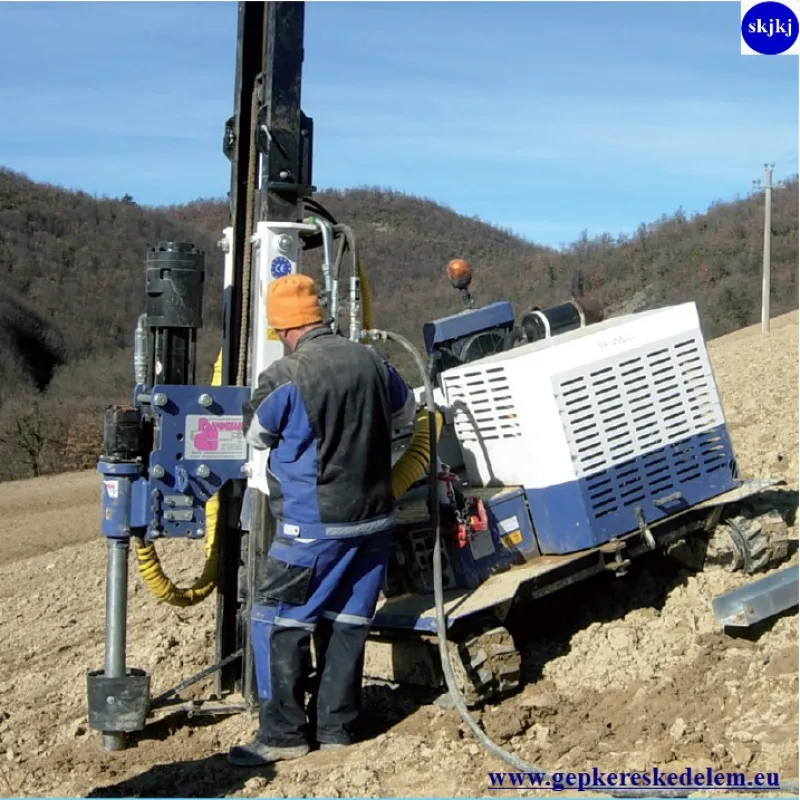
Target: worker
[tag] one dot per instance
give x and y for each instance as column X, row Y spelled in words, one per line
column 325, row 411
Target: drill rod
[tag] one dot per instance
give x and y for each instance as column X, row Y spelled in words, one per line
column 116, row 623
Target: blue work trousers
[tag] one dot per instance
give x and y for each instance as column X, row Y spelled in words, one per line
column 328, row 589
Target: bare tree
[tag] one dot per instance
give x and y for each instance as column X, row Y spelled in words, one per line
column 30, row 436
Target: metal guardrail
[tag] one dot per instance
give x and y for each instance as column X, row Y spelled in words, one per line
column 758, row 600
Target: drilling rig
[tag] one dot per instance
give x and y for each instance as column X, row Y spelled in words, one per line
column 547, row 448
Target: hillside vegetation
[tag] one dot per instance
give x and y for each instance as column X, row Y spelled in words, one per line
column 72, row 286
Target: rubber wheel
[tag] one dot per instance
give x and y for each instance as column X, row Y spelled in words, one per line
column 747, row 545
column 486, row 666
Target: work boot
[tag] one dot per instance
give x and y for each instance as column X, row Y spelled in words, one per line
column 258, row 754
column 331, row 745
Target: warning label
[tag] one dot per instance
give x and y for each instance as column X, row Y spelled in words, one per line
column 512, row 539
column 509, row 525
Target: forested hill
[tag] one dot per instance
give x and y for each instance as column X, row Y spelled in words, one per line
column 72, row 285
column 713, row 258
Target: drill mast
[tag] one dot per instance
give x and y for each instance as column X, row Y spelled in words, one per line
column 268, row 141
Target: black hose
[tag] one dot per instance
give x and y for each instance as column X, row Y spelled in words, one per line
column 346, row 241
column 319, row 210
column 441, row 624
column 314, row 241
column 511, row 338
column 352, row 244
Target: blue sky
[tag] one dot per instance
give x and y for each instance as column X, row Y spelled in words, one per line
column 546, row 118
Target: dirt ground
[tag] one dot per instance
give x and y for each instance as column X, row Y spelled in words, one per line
column 620, row 673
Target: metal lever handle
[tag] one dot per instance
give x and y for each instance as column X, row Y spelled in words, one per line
column 668, row 500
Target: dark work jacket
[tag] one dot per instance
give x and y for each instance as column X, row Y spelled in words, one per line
column 326, row 412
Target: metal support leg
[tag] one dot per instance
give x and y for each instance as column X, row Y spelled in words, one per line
column 117, row 695
column 116, row 623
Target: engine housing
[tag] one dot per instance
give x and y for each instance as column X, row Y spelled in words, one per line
column 604, row 427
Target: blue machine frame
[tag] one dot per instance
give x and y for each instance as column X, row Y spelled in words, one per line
column 541, row 574
column 199, row 447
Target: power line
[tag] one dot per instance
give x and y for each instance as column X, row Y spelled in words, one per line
column 765, row 273
column 792, row 154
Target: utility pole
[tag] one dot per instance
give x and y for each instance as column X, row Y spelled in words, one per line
column 765, row 273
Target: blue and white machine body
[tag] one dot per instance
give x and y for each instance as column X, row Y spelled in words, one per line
column 604, row 428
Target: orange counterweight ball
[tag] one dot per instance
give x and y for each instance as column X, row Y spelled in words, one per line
column 459, row 272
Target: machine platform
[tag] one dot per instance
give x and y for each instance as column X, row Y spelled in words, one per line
column 541, row 575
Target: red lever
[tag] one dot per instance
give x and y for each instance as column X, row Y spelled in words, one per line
column 479, row 522
column 461, row 537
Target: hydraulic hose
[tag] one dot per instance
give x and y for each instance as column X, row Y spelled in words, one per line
column 416, row 459
column 366, row 297
column 414, row 462
column 150, row 567
column 494, row 749
column 347, row 240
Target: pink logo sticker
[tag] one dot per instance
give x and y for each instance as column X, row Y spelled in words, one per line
column 206, row 438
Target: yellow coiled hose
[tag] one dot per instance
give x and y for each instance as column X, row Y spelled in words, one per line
column 410, row 467
column 413, row 464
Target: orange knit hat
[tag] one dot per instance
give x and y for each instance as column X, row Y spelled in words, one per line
column 292, row 302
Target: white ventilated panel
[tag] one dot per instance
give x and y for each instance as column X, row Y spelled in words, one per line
column 482, row 403
column 561, row 409
column 636, row 403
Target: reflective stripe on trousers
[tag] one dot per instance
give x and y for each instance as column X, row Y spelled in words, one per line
column 328, row 588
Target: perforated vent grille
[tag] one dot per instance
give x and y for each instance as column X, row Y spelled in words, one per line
column 481, row 401
column 657, row 475
column 637, row 404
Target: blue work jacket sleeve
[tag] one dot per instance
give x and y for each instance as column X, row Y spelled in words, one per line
column 401, row 397
column 265, row 415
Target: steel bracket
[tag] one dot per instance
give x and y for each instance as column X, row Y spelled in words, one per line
column 199, row 448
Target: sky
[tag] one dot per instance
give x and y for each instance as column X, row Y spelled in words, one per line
column 546, row 118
